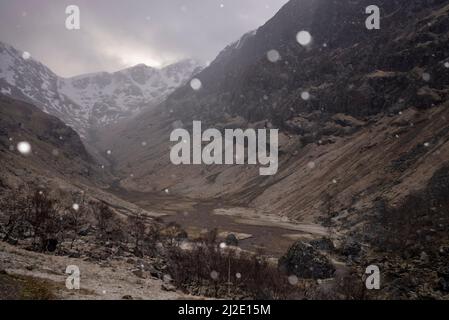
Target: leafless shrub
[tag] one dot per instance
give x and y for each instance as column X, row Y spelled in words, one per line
column 103, row 216
column 173, row 233
column 137, row 230
column 42, row 213
column 13, row 206
column 76, row 215
column 208, row 270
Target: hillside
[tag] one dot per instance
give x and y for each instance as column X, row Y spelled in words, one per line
column 373, row 127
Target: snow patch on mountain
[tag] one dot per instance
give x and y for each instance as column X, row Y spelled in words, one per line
column 94, row 100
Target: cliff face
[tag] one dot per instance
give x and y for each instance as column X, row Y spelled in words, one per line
column 346, row 68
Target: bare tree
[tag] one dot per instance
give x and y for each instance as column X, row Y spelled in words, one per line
column 103, row 214
column 43, row 216
column 136, row 227
column 76, row 216
column 13, row 206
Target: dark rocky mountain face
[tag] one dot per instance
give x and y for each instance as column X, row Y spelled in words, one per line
column 346, row 69
column 56, row 150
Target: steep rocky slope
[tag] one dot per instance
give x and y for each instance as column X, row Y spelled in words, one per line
column 372, row 125
column 56, row 158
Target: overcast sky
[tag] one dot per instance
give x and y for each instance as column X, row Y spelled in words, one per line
column 116, row 33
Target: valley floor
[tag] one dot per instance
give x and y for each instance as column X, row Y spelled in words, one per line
column 255, row 230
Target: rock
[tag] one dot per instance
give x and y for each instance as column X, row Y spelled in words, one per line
column 424, row 257
column 13, row 241
column 154, row 273
column 231, row 240
column 139, row 273
column 84, row 231
column 167, row 278
column 51, row 245
column 304, row 261
column 168, row 287
column 443, row 282
column 181, row 235
column 351, row 248
column 324, row 244
column 127, row 297
column 74, row 254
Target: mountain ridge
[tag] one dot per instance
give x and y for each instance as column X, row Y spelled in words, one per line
column 92, row 101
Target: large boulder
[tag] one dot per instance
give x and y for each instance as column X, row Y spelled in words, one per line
column 351, row 248
column 304, row 261
column 231, row 240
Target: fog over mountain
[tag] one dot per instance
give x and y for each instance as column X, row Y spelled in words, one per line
column 115, row 35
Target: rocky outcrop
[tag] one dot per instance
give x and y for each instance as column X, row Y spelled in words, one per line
column 306, row 262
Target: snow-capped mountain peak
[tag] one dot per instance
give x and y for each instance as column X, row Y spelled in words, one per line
column 94, row 100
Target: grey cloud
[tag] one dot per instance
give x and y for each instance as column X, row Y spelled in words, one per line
column 116, row 34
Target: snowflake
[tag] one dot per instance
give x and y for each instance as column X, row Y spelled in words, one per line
column 426, row 77
column 305, row 95
column 293, row 280
column 446, row 64
column 238, row 275
column 214, row 275
column 304, row 38
column 222, row 245
column 196, row 84
column 311, row 165
column 273, row 56
column 26, row 55
column 24, row 148
column 76, row 206
column 109, row 152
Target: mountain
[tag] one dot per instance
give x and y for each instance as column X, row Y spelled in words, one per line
column 363, row 122
column 54, row 156
column 112, row 97
column 89, row 102
column 56, row 150
column 363, row 135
